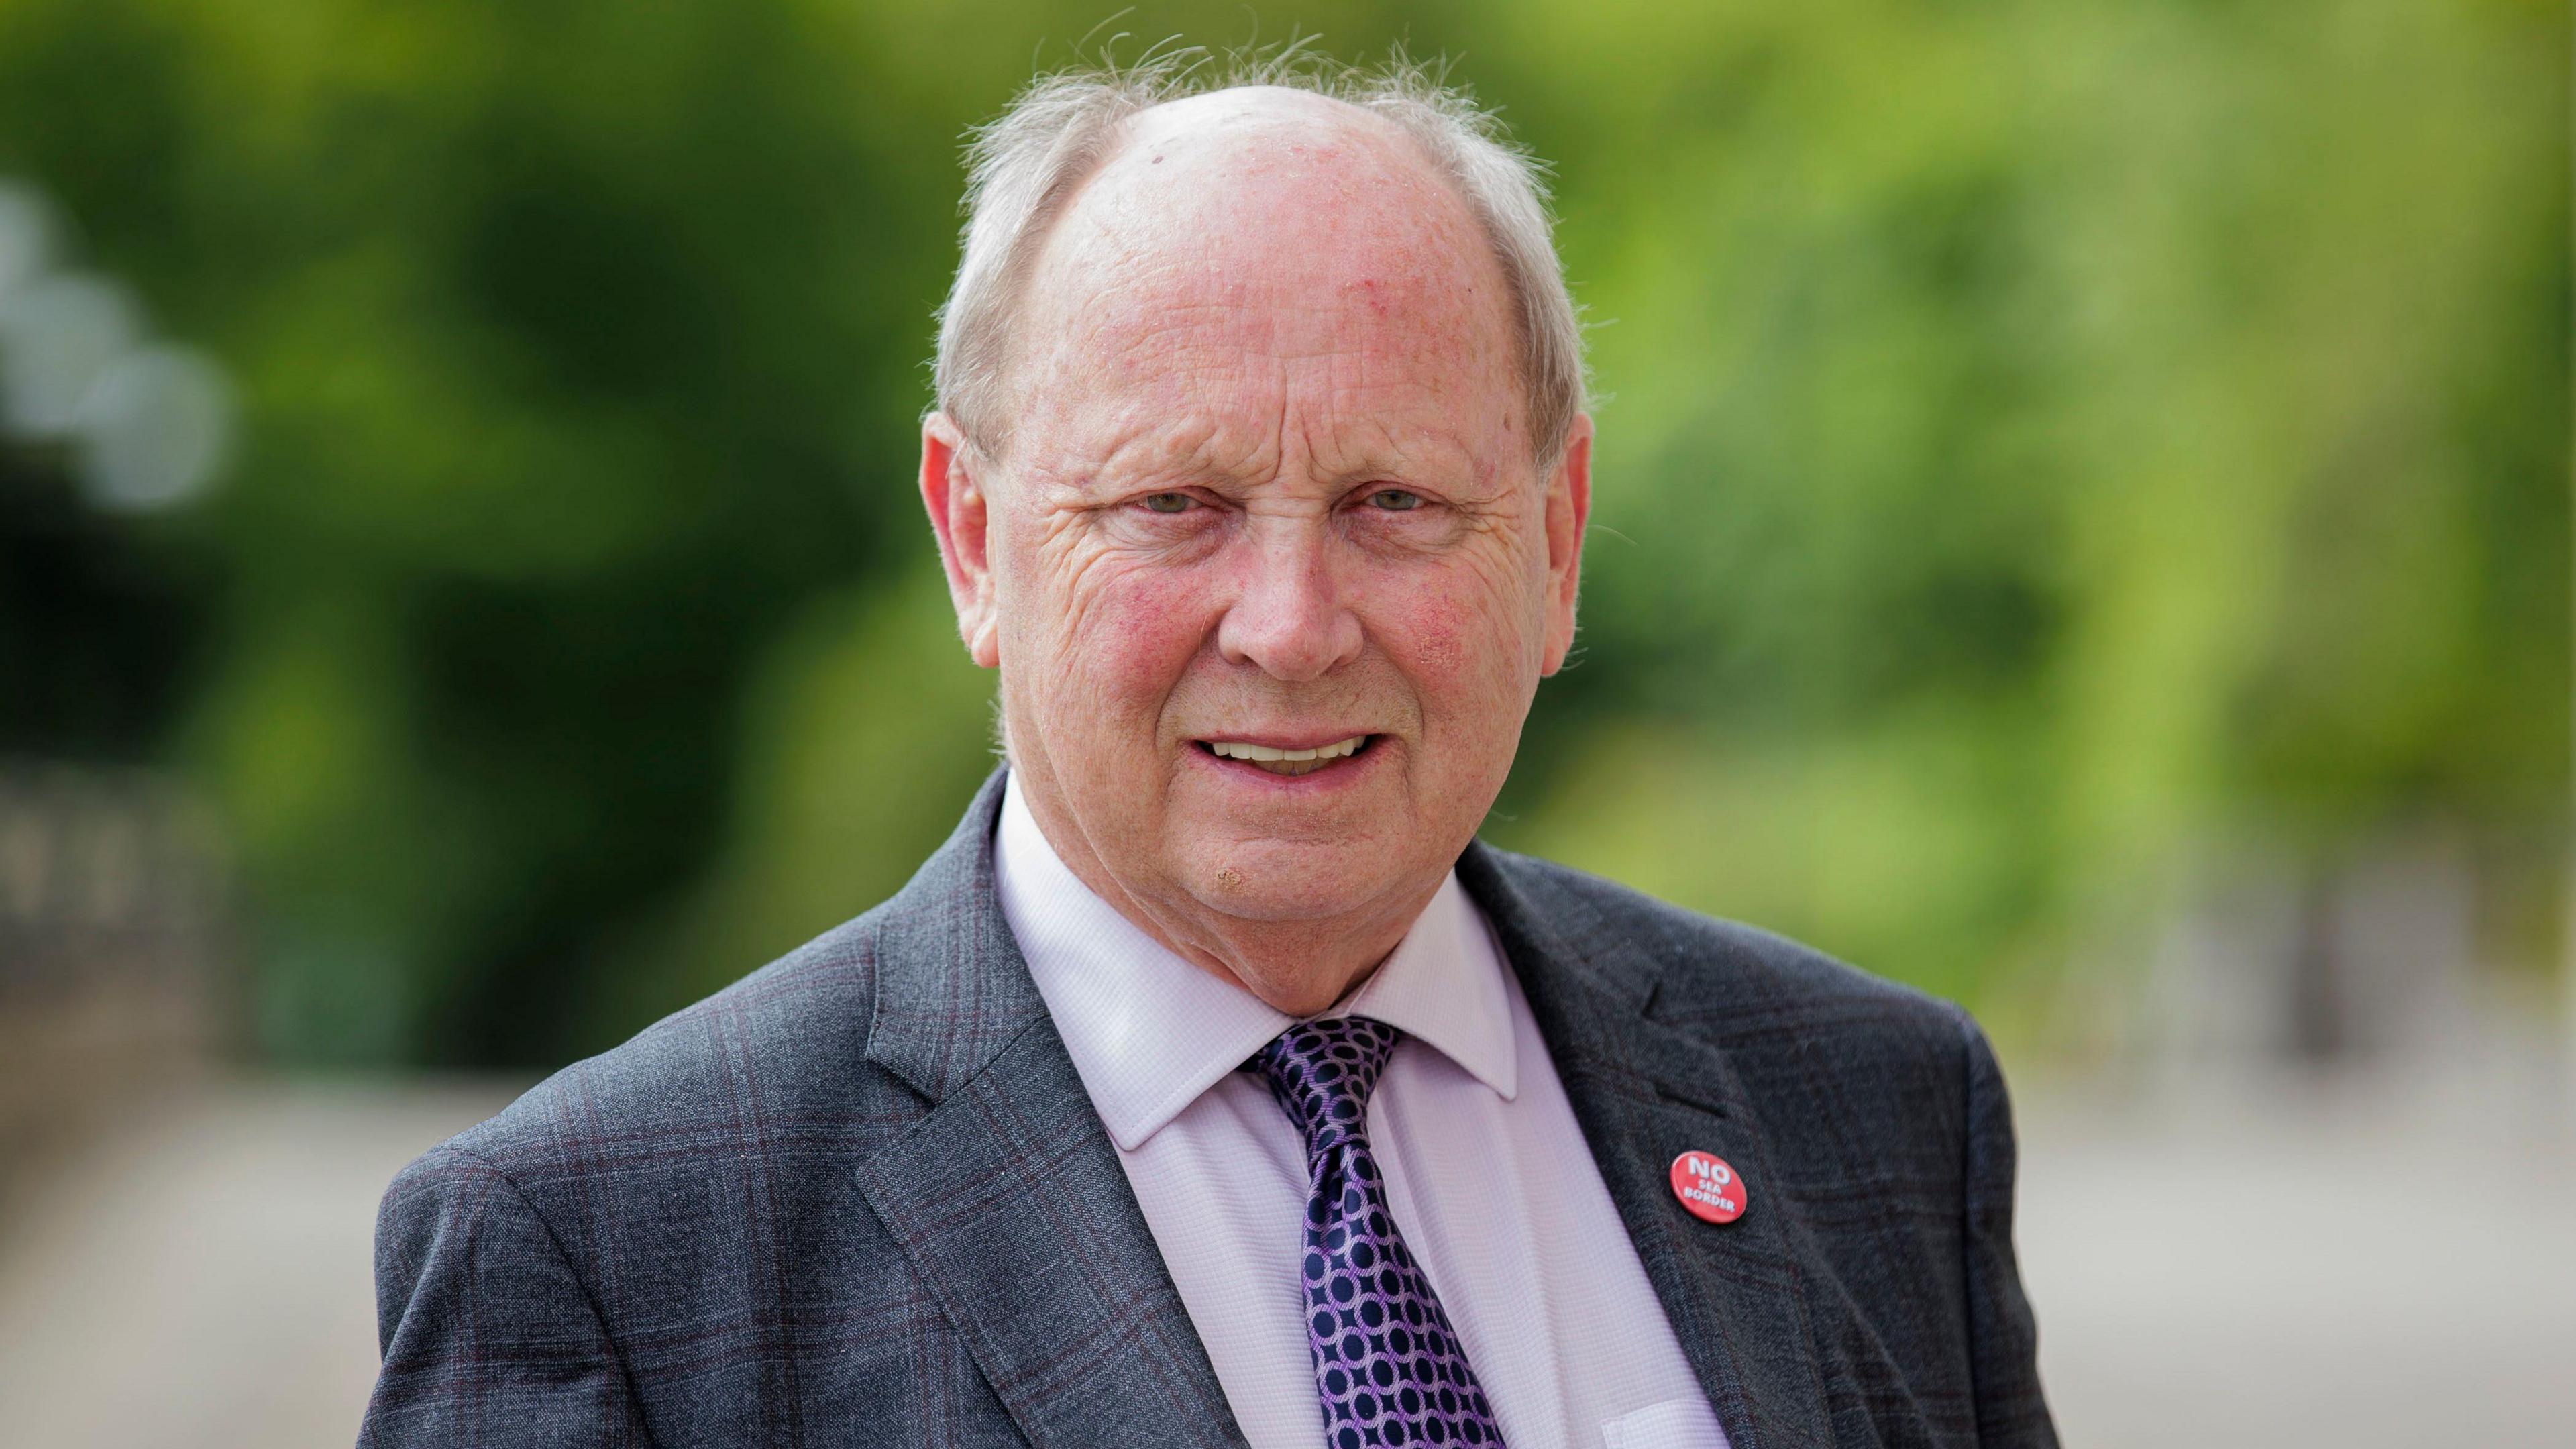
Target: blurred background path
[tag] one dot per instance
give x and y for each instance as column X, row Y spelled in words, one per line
column 2348, row 1267
column 2378, row 1263
column 202, row 1277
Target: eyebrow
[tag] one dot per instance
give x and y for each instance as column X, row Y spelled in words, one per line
column 1190, row 452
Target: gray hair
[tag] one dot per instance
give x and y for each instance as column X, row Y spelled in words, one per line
column 1025, row 166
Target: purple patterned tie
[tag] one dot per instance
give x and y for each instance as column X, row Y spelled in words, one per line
column 1386, row 1360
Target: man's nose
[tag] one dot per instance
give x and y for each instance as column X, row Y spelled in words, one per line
column 1289, row 619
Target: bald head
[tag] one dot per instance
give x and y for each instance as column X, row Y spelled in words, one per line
column 1320, row 223
column 1315, row 178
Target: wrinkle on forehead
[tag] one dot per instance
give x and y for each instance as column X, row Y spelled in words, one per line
column 1269, row 230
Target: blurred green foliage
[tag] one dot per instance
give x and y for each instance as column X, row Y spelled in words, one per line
column 2040, row 439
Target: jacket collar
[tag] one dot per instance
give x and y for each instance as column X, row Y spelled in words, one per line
column 1006, row 1197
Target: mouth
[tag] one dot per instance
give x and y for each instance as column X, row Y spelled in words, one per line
column 1276, row 760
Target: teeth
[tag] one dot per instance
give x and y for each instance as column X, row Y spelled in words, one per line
column 1287, row 762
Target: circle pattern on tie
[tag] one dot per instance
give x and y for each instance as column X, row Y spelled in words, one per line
column 1388, row 1365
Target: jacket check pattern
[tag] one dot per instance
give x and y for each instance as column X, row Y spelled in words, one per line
column 859, row 1198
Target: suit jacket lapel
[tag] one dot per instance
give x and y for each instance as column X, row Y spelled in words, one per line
column 1008, row 1198
column 1643, row 1094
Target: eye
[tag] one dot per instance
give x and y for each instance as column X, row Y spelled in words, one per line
column 1169, row 502
column 1394, row 500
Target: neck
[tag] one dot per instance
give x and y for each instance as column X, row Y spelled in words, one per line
column 1298, row 966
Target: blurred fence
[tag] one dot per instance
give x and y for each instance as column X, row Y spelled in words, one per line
column 113, row 948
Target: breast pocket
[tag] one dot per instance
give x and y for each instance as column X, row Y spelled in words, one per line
column 1672, row 1424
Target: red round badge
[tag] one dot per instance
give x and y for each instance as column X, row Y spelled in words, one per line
column 1708, row 1187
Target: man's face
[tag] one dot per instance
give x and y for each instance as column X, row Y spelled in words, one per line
column 1267, row 486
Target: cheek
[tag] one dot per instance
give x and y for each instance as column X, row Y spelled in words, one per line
column 1149, row 618
column 1435, row 629
column 1126, row 634
column 1470, row 631
column 1462, row 644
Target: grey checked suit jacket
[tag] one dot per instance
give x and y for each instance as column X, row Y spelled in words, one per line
column 860, row 1198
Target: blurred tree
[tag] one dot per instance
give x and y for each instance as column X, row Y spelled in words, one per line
column 98, row 627
column 2051, row 441
column 2038, row 439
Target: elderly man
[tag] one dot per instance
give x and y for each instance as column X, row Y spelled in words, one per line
column 1212, row 1085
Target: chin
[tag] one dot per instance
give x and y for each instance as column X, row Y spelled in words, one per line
column 1290, row 880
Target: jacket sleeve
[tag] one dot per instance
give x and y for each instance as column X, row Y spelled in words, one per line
column 2003, row 1342
column 488, row 1335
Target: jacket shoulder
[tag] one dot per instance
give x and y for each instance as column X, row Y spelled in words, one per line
column 1869, row 1091
column 778, row 1057
column 1888, row 1069
column 646, row 1232
column 1693, row 967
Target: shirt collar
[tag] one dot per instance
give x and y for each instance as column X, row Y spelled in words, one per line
column 1149, row 1032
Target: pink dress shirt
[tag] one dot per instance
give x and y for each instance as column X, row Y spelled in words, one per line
column 1487, row 1174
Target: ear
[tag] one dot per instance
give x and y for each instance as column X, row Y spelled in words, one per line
column 1569, row 508
column 961, row 518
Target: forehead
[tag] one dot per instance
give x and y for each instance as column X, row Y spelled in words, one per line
column 1268, row 230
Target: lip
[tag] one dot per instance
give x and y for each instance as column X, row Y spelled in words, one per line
column 1342, row 774
column 1307, row 741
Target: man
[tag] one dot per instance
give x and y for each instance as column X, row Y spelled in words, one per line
column 1212, row 1085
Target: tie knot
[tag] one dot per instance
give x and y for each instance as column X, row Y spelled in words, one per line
column 1323, row 1071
